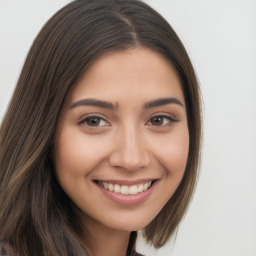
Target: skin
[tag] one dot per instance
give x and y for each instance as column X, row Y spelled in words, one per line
column 124, row 144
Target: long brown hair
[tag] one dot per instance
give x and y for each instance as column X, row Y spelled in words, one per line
column 36, row 216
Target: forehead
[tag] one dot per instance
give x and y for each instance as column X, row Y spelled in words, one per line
column 137, row 73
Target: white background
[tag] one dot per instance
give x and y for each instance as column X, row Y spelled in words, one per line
column 220, row 37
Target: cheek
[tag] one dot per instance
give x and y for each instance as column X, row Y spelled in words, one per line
column 75, row 153
column 172, row 153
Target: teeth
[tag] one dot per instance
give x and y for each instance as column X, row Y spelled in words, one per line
column 145, row 186
column 124, row 189
column 140, row 189
column 105, row 185
column 117, row 188
column 110, row 187
column 133, row 190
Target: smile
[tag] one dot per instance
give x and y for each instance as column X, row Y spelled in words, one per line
column 124, row 189
column 127, row 193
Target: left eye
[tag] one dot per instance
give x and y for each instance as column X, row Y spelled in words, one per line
column 161, row 120
column 94, row 121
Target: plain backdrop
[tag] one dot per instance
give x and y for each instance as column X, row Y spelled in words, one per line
column 220, row 37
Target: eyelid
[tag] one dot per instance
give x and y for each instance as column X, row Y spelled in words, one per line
column 164, row 115
column 97, row 115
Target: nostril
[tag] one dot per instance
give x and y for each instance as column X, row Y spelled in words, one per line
column 128, row 162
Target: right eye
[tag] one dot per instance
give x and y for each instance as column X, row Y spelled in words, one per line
column 161, row 121
column 94, row 121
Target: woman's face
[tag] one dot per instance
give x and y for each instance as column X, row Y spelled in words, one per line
column 122, row 145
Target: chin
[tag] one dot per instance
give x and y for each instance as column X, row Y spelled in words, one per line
column 130, row 223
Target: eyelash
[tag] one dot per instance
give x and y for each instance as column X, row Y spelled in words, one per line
column 90, row 117
column 167, row 120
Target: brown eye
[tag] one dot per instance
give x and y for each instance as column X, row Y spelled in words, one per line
column 157, row 120
column 161, row 121
column 94, row 121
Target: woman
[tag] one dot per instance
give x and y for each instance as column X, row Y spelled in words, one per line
column 102, row 135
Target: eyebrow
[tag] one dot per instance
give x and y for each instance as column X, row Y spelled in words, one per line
column 96, row 103
column 109, row 105
column 162, row 102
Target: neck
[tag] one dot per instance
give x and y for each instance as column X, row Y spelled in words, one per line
column 101, row 240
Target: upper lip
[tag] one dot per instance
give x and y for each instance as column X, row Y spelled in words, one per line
column 127, row 182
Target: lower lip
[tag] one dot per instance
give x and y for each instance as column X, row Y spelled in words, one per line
column 128, row 199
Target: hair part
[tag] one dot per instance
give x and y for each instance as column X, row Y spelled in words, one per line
column 36, row 216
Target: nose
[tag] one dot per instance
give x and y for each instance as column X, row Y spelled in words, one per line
column 129, row 151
